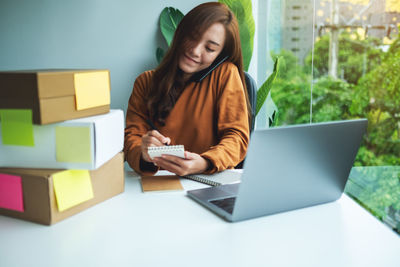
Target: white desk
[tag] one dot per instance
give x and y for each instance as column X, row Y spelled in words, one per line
column 169, row 229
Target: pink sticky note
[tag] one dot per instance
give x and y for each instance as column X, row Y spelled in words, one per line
column 11, row 192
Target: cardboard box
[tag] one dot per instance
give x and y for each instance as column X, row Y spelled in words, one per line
column 84, row 143
column 39, row 198
column 56, row 95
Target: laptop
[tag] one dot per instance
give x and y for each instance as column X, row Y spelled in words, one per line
column 288, row 168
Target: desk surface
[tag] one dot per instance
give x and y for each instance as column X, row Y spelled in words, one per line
column 169, row 229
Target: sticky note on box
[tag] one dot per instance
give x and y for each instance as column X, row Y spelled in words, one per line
column 16, row 127
column 11, row 196
column 73, row 144
column 71, row 188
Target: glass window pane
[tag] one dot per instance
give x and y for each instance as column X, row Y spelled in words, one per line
column 357, row 72
column 357, row 75
column 347, row 53
column 290, row 38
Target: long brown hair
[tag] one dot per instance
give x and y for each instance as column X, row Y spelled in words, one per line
column 167, row 82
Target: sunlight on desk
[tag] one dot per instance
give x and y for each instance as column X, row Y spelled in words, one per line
column 377, row 188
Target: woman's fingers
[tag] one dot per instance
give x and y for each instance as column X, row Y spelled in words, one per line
column 161, row 138
column 193, row 163
column 169, row 164
column 152, row 138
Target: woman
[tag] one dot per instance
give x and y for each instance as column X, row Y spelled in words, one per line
column 208, row 115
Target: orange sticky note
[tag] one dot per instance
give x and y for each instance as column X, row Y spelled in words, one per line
column 161, row 183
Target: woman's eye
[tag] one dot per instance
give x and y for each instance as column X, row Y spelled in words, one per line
column 209, row 49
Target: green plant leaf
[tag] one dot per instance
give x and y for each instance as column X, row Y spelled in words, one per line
column 169, row 20
column 271, row 110
column 264, row 91
column 159, row 54
column 244, row 14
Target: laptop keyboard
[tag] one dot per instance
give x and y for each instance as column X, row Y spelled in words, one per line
column 226, row 203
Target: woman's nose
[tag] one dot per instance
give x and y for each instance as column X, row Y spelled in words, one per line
column 195, row 50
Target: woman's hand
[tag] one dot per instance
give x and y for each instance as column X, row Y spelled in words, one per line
column 152, row 138
column 192, row 163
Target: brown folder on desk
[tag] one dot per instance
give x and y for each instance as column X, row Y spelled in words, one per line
column 161, row 183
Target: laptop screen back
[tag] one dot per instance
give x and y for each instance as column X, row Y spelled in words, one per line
column 297, row 166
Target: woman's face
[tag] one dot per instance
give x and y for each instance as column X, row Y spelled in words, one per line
column 200, row 55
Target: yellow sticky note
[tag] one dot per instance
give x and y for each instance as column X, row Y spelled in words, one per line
column 16, row 127
column 71, row 188
column 92, row 89
column 73, row 144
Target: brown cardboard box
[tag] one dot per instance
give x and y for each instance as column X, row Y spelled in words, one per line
column 39, row 198
column 51, row 94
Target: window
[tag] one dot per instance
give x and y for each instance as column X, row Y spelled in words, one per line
column 361, row 79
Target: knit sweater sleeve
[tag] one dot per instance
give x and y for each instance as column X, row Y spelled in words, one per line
column 232, row 121
column 136, row 125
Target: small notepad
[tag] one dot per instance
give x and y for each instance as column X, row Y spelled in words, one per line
column 157, row 151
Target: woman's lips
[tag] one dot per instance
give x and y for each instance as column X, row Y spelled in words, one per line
column 191, row 60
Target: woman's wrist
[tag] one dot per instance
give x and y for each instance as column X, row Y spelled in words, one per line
column 208, row 165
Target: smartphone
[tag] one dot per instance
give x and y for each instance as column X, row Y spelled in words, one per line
column 199, row 76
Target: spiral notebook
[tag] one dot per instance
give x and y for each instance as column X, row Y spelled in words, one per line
column 216, row 179
column 157, row 151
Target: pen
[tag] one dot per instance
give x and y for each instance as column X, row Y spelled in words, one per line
column 153, row 127
column 150, row 123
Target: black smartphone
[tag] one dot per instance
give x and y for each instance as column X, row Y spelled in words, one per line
column 199, row 76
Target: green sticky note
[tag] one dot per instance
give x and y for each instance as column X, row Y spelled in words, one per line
column 73, row 144
column 71, row 188
column 16, row 127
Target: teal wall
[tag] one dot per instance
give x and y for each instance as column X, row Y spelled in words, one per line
column 119, row 35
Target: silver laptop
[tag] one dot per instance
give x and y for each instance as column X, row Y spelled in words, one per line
column 288, row 168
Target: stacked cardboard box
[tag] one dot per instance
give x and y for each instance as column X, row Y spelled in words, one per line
column 60, row 144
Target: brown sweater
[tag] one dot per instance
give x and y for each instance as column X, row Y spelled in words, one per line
column 209, row 118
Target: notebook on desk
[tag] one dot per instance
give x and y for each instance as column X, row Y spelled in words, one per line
column 288, row 168
column 216, row 179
